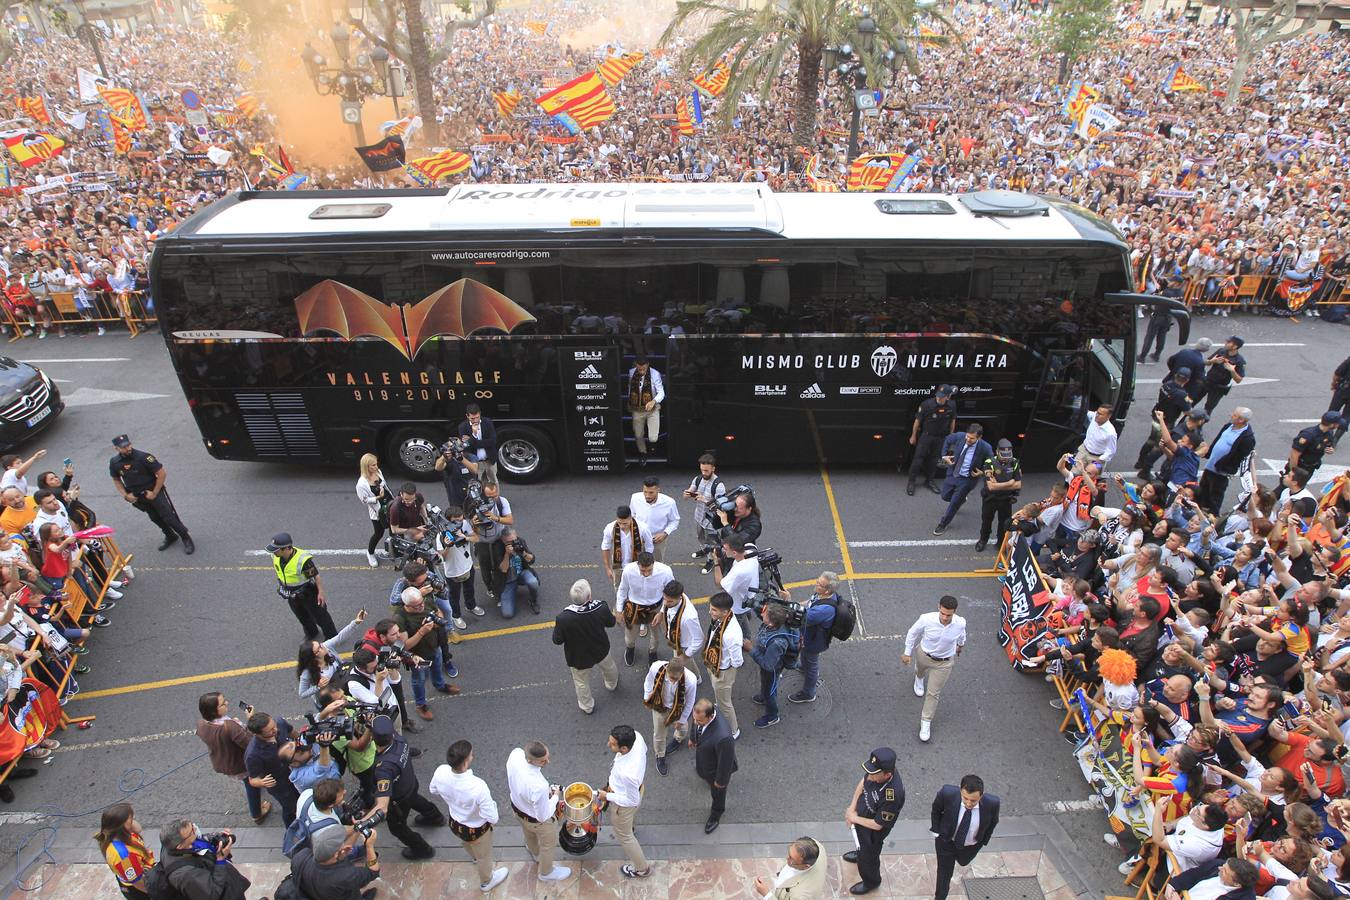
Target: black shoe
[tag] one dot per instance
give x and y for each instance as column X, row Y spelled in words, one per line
column 1141, row 359
column 107, row 605
column 412, row 727
column 169, row 541
column 1144, row 476
column 674, row 745
column 711, row 825
column 1155, row 359
column 851, row 856
column 651, row 657
column 981, row 544
column 940, row 528
column 661, row 765
column 909, row 489
column 188, row 547
column 435, row 821
column 410, row 853
column 628, row 656
column 414, row 752
column 933, row 487
column 863, row 887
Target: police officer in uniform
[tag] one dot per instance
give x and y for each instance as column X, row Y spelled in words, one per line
column 139, row 478
column 935, row 420
column 1173, row 398
column 396, row 792
column 876, row 804
column 299, row 582
column 1002, row 481
column 1314, row 442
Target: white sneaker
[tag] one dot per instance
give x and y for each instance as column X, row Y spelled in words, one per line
column 112, row 594
column 918, row 686
column 925, row 730
column 642, row 631
column 102, row 330
column 1111, row 840
column 372, row 561
column 115, row 583
column 559, row 873
column 129, row 575
column 460, row 624
column 478, row 611
column 1128, row 865
column 381, row 553
column 498, row 876
column 736, row 735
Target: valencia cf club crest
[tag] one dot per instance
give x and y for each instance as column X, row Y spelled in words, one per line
column 884, row 360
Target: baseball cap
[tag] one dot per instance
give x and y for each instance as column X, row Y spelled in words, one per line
column 1199, row 414
column 881, row 760
column 121, row 441
column 1235, row 340
column 279, row 540
column 1183, row 372
column 1203, row 344
column 1331, row 417
column 326, row 841
column 943, row 390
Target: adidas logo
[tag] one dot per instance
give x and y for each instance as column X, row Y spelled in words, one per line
column 590, row 372
column 813, row 392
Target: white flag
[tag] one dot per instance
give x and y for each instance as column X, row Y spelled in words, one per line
column 1097, row 120
column 218, row 155
column 76, row 121
column 89, row 82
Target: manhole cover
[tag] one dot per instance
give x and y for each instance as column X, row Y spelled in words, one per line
column 1024, row 887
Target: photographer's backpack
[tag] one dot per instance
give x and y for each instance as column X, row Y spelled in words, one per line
column 845, row 618
column 792, row 655
column 157, row 884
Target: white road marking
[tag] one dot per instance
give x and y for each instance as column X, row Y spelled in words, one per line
column 1325, row 472
column 87, row 396
column 1299, row 421
column 934, row 542
column 1063, row 806
column 329, row 552
column 79, row 359
column 1244, row 382
column 20, row 818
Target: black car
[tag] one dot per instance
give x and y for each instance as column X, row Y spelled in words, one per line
column 29, row 402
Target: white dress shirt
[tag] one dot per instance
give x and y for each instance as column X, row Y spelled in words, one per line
column 658, row 384
column 668, row 690
column 627, row 554
column 740, row 580
column 627, row 774
column 644, row 590
column 691, row 629
column 530, row 791
column 733, row 656
column 465, row 795
column 1100, row 440
column 660, row 515
column 974, row 823
column 932, row 637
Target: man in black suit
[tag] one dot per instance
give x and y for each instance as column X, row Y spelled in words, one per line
column 964, row 819
column 480, row 441
column 714, row 758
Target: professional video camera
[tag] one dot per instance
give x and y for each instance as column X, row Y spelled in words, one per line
column 727, row 502
column 477, row 507
column 770, row 584
column 338, row 726
column 351, row 809
column 454, row 449
column 724, row 504
column 424, row 550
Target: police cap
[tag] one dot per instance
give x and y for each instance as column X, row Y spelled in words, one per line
column 881, row 760
column 1182, row 374
column 383, row 729
column 944, row 390
column 1331, row 417
column 121, row 441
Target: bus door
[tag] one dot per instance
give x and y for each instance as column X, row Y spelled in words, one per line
column 1059, row 418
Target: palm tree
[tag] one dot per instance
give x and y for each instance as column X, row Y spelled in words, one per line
column 757, row 42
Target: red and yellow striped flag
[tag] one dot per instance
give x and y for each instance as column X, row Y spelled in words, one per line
column 126, row 107
column 582, row 102
column 35, row 108
column 121, row 137
column 1181, row 83
column 441, row 165
column 506, row 101
column 613, row 69
column 713, row 82
column 539, row 28
column 248, row 105
column 873, row 171
column 684, row 119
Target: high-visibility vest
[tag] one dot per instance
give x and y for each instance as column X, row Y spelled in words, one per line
column 289, row 572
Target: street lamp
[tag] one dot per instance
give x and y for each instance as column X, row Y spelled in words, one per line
column 368, row 75
column 849, row 62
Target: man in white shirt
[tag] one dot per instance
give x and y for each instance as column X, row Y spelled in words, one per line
column 646, row 392
column 724, row 654
column 1100, row 441
column 1197, row 838
column 625, row 795
column 669, row 692
column 620, row 543
column 656, row 513
column 684, row 632
column 50, row 509
column 740, row 579
column 535, row 803
column 639, row 602
column 936, row 639
column 473, row 812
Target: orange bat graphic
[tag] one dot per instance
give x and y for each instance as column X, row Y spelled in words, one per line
column 456, row 310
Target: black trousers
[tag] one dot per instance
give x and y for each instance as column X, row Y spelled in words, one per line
column 1213, row 396
column 311, row 616
column 287, row 797
column 999, row 504
column 949, row 855
column 397, row 822
column 1157, row 330
column 482, row 552
column 377, row 528
column 1212, row 489
column 869, row 854
column 719, row 798
column 926, row 452
column 161, row 511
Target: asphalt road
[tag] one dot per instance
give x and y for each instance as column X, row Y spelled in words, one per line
column 217, row 612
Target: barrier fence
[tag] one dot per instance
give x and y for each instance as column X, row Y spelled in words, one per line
column 1255, row 292
column 105, row 308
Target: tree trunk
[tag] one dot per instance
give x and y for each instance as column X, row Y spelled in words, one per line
column 1241, row 61
column 1065, row 67
column 808, row 93
column 420, row 63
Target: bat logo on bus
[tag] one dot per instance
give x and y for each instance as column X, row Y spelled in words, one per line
column 456, row 310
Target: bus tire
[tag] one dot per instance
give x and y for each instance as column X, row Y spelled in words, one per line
column 412, row 451
column 524, row 454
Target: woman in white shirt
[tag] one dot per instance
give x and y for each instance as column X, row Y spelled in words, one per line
column 372, row 491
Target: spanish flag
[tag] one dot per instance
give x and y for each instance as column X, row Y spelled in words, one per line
column 579, row 104
column 506, row 101
column 1178, row 82
column 32, row 148
column 539, row 28
column 35, row 108
column 873, row 171
column 432, row 169
column 714, row 81
column 613, row 69
column 248, row 105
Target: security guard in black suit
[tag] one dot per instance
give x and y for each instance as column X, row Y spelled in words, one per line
column 1002, row 481
column 396, row 791
column 876, row 804
column 1315, row 442
column 935, row 420
column 139, row 478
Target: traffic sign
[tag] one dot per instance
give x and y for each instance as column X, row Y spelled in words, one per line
column 191, row 100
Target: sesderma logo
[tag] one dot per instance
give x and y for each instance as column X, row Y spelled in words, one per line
column 813, row 392
column 590, row 372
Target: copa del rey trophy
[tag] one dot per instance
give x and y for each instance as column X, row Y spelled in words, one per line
column 580, row 813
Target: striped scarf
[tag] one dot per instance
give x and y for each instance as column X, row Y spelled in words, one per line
column 712, row 653
column 634, row 532
column 654, row 699
column 673, row 623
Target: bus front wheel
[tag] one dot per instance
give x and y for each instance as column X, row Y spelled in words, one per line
column 413, row 450
column 524, row 455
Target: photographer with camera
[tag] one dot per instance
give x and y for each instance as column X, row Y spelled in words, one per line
column 821, row 610
column 267, row 760
column 514, row 579
column 408, row 513
column 773, row 649
column 743, row 520
column 456, row 470
column 489, row 518
column 325, row 869
column 309, row 767
column 706, row 490
column 422, row 633
column 355, row 744
column 396, row 793
column 455, row 546
column 639, row 602
column 433, row 588
column 374, row 674
column 739, row 579
column 196, row 865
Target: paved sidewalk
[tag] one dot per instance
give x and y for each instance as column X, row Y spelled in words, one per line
column 687, row 865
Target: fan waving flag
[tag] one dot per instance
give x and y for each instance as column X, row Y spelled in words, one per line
column 506, row 101
column 613, row 69
column 30, row 148
column 818, row 184
column 714, row 81
column 35, row 108
column 579, row 104
column 1178, row 82
column 432, row 169
column 126, row 107
column 873, row 171
column 248, row 105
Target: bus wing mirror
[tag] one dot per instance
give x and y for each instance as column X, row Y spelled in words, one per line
column 1176, row 308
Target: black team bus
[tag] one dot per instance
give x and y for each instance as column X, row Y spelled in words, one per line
column 789, row 328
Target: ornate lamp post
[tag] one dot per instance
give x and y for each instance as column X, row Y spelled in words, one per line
column 352, row 79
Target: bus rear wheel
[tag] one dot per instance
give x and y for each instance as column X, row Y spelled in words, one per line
column 524, row 454
column 413, row 451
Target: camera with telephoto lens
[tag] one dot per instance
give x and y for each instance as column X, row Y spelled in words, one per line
column 392, row 656
column 367, row 825
column 477, row 507
column 435, row 619
column 350, row 810
column 454, row 449
column 218, row 841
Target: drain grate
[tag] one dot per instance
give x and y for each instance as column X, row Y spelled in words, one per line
column 1024, row 887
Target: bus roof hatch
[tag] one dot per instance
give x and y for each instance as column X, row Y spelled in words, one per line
column 1004, row 204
